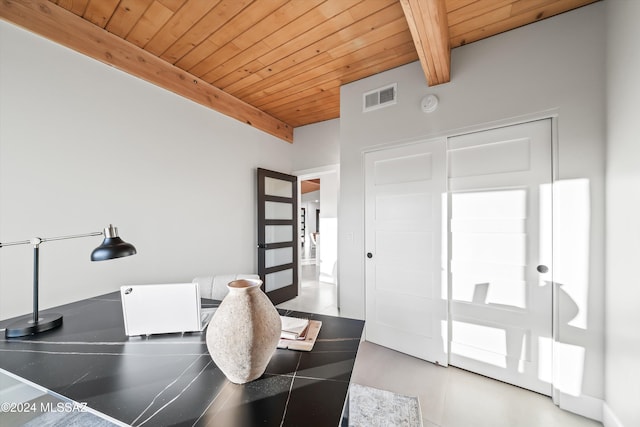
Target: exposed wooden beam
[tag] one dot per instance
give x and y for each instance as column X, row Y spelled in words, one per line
column 427, row 21
column 55, row 23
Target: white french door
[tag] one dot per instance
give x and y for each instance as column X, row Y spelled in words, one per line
column 500, row 230
column 406, row 303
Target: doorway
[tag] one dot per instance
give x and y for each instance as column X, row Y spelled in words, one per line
column 318, row 241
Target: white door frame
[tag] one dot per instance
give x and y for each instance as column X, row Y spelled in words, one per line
column 315, row 173
column 551, row 114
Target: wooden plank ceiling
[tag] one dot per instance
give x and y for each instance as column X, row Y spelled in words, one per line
column 274, row 64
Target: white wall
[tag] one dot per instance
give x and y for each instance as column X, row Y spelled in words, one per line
column 622, row 373
column 311, row 202
column 554, row 67
column 316, row 155
column 329, row 227
column 83, row 144
column 316, row 145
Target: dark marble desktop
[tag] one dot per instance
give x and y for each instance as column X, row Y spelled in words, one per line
column 171, row 379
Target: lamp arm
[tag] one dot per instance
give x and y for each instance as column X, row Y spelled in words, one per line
column 37, row 240
column 22, row 242
column 74, row 236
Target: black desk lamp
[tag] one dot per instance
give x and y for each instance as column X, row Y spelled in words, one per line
column 112, row 247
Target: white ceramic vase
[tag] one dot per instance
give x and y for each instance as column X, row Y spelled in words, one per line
column 244, row 332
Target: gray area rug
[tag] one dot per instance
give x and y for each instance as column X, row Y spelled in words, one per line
column 371, row 407
column 61, row 419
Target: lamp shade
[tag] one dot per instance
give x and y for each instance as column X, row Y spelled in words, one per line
column 112, row 246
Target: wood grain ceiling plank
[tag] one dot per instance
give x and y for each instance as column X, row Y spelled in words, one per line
column 309, row 185
column 317, row 89
column 370, row 30
column 252, row 35
column 328, row 75
column 126, row 16
column 427, row 20
column 359, row 38
column 239, row 59
column 311, row 43
column 458, row 4
column 99, row 11
column 326, row 114
column 210, row 23
column 303, row 104
column 302, row 92
column 240, row 65
column 174, row 5
column 479, row 24
column 283, row 57
column 62, row 26
column 316, row 16
column 247, row 18
column 335, row 68
column 479, row 8
column 402, row 55
column 364, row 64
column 76, row 6
column 317, row 109
column 309, row 39
column 298, row 49
column 313, row 112
column 149, row 24
column 503, row 20
column 520, row 6
column 551, row 8
column 181, row 21
column 354, row 37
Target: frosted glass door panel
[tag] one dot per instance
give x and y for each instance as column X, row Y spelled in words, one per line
column 277, row 210
column 278, row 187
column 275, row 257
column 278, row 280
column 278, row 233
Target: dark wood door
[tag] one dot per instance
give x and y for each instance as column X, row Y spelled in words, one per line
column 278, row 234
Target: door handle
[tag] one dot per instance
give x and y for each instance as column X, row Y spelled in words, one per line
column 369, row 255
column 542, row 269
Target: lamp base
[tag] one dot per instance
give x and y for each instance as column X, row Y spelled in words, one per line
column 25, row 325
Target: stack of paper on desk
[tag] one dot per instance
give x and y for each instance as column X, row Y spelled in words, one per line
column 293, row 328
column 298, row 334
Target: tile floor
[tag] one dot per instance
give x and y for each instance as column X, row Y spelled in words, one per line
column 315, row 296
column 452, row 397
column 449, row 397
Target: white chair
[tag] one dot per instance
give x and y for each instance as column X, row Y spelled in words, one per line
column 215, row 287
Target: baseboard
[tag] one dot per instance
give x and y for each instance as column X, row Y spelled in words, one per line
column 587, row 406
column 609, row 419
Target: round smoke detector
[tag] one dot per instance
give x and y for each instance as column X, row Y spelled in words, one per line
column 429, row 103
